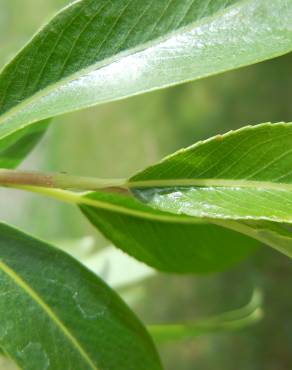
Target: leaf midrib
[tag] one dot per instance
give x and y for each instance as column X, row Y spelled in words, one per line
column 80, row 199
column 163, row 216
column 52, row 315
column 97, row 66
column 232, row 224
column 222, row 183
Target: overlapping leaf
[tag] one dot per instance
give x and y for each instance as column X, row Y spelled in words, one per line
column 98, row 51
column 162, row 240
column 175, row 235
column 55, row 314
column 241, row 180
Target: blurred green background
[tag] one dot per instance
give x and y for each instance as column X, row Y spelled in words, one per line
column 116, row 139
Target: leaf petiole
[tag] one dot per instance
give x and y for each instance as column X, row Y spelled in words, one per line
column 56, row 180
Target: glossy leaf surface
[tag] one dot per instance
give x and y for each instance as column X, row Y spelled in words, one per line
column 162, row 240
column 98, row 51
column 242, row 175
column 55, row 314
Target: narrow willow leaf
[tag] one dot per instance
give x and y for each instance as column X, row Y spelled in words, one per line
column 242, row 175
column 228, row 321
column 241, row 180
column 55, row 314
column 15, row 147
column 97, row 51
column 162, row 240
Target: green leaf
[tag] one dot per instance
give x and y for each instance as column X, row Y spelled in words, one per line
column 163, row 240
column 15, row 147
column 241, row 180
column 247, row 315
column 56, row 314
column 98, row 51
column 242, row 175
